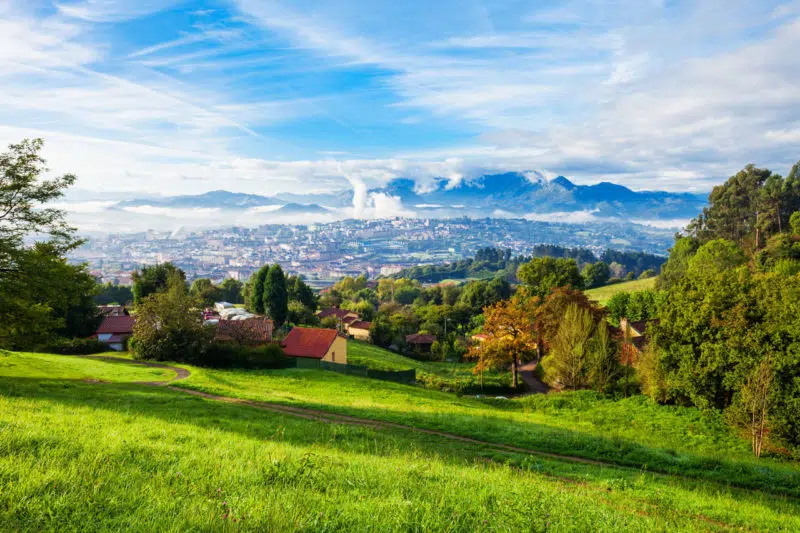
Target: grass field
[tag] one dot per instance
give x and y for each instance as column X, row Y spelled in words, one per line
column 84, row 456
column 454, row 377
column 604, row 294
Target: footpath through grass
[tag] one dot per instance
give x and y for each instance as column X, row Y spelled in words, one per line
column 449, row 377
column 603, row 294
column 76, row 456
column 634, row 432
column 37, row 365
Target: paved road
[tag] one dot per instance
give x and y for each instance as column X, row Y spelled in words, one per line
column 527, row 371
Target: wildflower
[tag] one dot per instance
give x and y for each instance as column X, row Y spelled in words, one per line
column 225, row 516
column 225, row 503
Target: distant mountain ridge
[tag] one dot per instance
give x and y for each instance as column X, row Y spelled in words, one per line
column 511, row 193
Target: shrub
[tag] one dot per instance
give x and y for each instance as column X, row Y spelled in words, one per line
column 227, row 355
column 74, row 347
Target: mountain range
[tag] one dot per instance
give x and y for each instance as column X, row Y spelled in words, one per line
column 508, row 194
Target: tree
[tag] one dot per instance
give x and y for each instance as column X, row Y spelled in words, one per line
column 41, row 295
column 511, row 338
column 595, row 275
column 276, row 295
column 109, row 293
column 647, row 274
column 381, row 332
column 298, row 290
column 794, row 222
column 754, row 402
column 152, row 279
column 542, row 274
column 257, row 290
column 566, row 364
column 231, row 291
column 549, row 314
column 300, row 314
column 205, row 293
column 168, row 328
column 603, row 364
column 675, row 267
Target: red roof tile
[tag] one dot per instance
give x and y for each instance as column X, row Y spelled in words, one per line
column 308, row 342
column 361, row 325
column 117, row 324
column 334, row 311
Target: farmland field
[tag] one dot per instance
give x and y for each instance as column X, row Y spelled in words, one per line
column 78, row 454
column 604, row 294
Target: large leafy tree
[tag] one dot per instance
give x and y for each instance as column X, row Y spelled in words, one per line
column 542, row 274
column 168, row 327
column 41, row 295
column 204, row 292
column 231, row 291
column 510, row 337
column 596, row 274
column 152, row 279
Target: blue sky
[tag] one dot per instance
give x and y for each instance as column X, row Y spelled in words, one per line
column 170, row 96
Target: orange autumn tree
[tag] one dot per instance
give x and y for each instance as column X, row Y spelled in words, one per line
column 509, row 329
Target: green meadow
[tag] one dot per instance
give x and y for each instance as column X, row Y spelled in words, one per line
column 603, row 294
column 454, row 377
column 85, row 448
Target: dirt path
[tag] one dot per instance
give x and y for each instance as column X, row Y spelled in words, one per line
column 325, row 416
column 535, row 386
column 180, row 373
column 328, row 417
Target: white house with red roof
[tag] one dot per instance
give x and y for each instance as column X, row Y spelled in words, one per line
column 114, row 330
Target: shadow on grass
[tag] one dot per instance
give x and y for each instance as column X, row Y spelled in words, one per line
column 769, row 478
column 174, row 406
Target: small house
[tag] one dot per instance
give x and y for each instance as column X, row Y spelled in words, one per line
column 316, row 343
column 115, row 330
column 420, row 342
column 359, row 330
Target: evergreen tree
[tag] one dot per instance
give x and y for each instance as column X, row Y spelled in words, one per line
column 276, row 296
column 257, row 282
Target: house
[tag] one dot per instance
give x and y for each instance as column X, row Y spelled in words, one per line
column 420, row 342
column 340, row 314
column 359, row 330
column 316, row 343
column 634, row 339
column 115, row 330
column 255, row 331
column 479, row 337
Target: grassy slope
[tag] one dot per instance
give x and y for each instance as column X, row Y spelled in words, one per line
column 77, row 456
column 603, row 294
column 455, row 376
column 635, row 432
column 29, row 365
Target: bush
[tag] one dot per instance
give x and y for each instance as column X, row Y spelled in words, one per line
column 227, row 355
column 74, row 347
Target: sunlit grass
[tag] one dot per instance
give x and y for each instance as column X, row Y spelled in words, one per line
column 603, row 294
column 111, row 457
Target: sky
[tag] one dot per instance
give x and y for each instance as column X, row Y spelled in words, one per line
column 157, row 97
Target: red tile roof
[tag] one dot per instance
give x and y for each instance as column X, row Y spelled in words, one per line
column 117, row 324
column 420, row 338
column 308, row 342
column 250, row 332
column 334, row 311
column 361, row 325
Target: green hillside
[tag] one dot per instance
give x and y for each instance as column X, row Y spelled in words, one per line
column 456, row 377
column 604, row 294
column 76, row 454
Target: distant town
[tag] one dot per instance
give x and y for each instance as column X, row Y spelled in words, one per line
column 324, row 253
